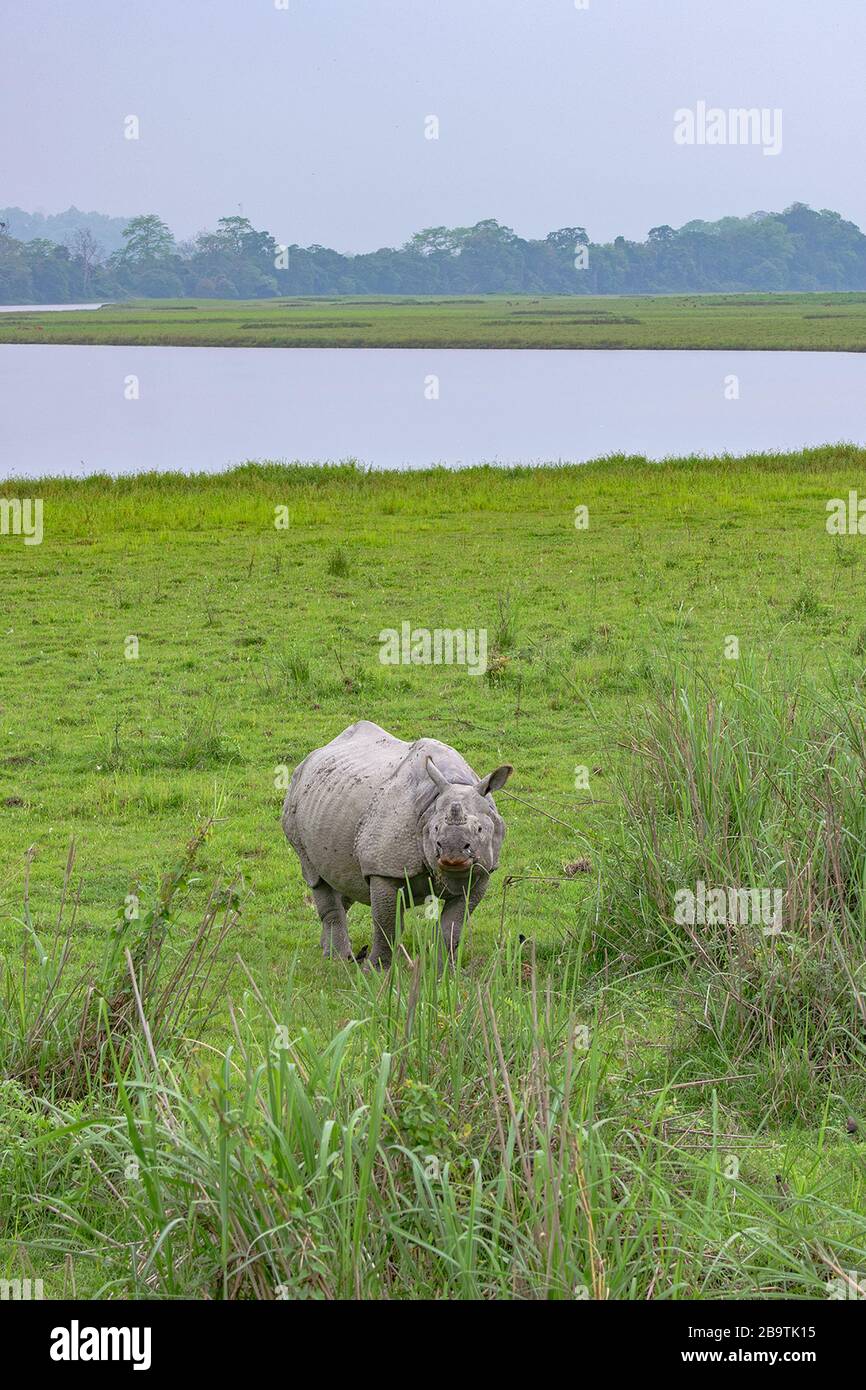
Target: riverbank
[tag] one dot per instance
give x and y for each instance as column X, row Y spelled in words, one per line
column 784, row 322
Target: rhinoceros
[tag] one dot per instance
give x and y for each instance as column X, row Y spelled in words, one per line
column 379, row 821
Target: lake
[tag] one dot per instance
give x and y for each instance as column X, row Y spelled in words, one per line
column 44, row 308
column 74, row 410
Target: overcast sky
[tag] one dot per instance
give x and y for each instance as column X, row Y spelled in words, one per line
column 312, row 117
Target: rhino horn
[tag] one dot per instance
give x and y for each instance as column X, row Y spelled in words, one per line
column 436, row 775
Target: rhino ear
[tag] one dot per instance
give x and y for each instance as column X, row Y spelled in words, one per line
column 494, row 780
column 436, row 775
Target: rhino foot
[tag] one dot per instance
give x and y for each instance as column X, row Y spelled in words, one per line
column 335, row 942
column 331, row 908
column 376, row 960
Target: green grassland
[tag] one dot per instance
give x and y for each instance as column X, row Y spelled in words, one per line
column 414, row 1136
column 806, row 322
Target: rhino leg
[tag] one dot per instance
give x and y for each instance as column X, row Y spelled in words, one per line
column 331, row 907
column 386, row 899
column 455, row 914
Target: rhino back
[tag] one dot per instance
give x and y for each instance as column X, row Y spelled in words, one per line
column 330, row 792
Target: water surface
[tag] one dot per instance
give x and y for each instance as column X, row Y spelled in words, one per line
column 44, row 308
column 73, row 409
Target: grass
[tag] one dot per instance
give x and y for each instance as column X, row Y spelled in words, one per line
column 601, row 1101
column 806, row 322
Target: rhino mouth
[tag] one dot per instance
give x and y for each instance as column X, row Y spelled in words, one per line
column 454, row 866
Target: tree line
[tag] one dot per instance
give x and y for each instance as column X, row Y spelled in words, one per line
column 795, row 250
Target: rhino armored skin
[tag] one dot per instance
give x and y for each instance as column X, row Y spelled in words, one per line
column 379, row 821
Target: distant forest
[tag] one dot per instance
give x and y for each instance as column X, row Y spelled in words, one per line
column 798, row 249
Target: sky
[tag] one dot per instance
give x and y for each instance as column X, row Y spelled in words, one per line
column 312, row 116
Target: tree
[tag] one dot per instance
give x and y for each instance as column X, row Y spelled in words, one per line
column 231, row 232
column 567, row 238
column 87, row 251
column 158, row 283
column 432, row 240
column 798, row 249
column 147, row 239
